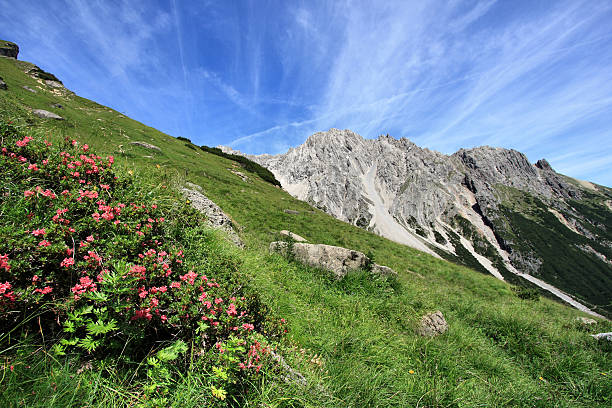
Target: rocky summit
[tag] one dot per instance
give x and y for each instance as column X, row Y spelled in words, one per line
column 486, row 207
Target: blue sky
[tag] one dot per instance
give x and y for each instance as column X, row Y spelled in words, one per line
column 261, row 76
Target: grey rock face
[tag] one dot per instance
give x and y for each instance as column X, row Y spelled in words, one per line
column 146, row 145
column 432, row 325
column 216, row 218
column 41, row 113
column 9, row 49
column 27, row 88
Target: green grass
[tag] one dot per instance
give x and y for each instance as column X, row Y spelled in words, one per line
column 497, row 348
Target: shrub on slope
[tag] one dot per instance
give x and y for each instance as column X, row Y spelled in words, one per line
column 106, row 271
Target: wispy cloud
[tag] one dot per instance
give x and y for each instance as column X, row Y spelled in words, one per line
column 531, row 76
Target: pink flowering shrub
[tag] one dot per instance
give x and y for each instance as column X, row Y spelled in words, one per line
column 112, row 269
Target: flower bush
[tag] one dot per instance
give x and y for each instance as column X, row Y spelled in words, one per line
column 111, row 273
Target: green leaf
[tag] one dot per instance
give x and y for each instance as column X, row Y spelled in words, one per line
column 99, row 328
column 71, row 342
column 89, row 344
column 58, row 349
column 172, row 352
column 69, row 326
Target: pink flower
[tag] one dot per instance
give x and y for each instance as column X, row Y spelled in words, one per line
column 189, row 277
column 45, row 290
column 33, row 167
column 248, row 326
column 4, row 263
column 44, row 243
column 175, row 285
column 28, row 193
column 231, row 310
column 38, row 232
column 67, row 262
column 218, row 300
column 142, row 314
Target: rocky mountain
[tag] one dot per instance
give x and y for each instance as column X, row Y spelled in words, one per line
column 488, row 208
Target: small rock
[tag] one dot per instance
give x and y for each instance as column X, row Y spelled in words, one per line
column 602, row 336
column 57, row 105
column 293, row 236
column 432, row 325
column 27, row 88
column 382, row 270
column 3, row 84
column 41, row 113
column 291, row 212
column 146, row 145
column 586, row 320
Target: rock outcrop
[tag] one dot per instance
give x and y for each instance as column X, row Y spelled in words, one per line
column 9, row 49
column 3, row 84
column 215, row 217
column 41, row 113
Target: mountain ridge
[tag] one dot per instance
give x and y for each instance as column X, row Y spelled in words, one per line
column 456, row 206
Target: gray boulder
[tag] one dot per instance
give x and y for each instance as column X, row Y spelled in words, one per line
column 293, row 236
column 146, row 145
column 293, row 212
column 3, row 84
column 432, row 325
column 337, row 260
column 27, row 88
column 215, row 217
column 41, row 113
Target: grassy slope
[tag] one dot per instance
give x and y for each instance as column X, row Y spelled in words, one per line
column 494, row 353
column 532, row 228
